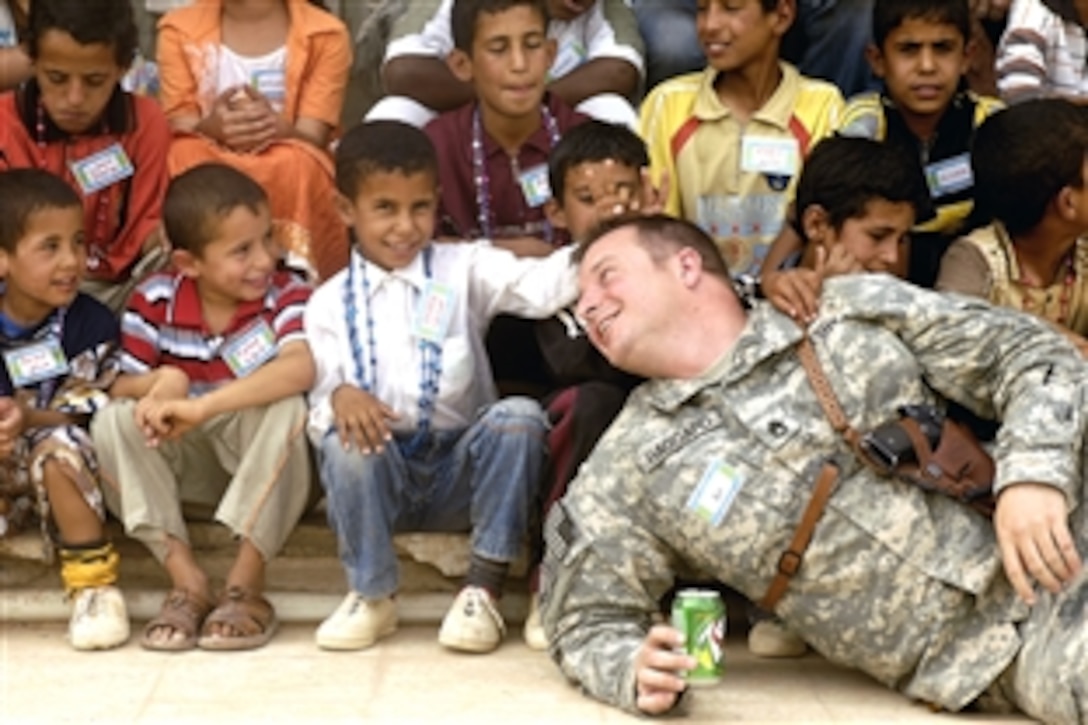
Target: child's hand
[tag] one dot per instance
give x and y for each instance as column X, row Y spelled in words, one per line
column 151, row 420
column 238, row 122
column 653, row 198
column 11, row 425
column 794, row 292
column 361, row 419
column 836, row 261
column 181, row 416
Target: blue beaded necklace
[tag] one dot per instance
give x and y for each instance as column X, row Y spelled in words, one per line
column 483, row 182
column 430, row 352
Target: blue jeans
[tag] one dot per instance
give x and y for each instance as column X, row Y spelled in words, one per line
column 483, row 478
column 668, row 30
column 834, row 35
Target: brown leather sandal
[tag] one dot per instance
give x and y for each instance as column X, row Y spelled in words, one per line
column 244, row 611
column 182, row 611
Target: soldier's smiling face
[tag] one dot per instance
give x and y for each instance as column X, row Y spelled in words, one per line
column 624, row 298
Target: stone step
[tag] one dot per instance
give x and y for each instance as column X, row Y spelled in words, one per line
column 306, row 581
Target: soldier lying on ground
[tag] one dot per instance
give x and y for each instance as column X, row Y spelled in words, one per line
column 713, row 462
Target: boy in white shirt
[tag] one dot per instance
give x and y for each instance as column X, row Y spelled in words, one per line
column 598, row 64
column 404, row 411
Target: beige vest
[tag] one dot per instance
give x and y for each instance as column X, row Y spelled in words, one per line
column 1006, row 289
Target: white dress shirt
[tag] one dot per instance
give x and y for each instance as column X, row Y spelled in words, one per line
column 484, row 281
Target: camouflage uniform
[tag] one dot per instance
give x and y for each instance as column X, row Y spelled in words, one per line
column 712, row 475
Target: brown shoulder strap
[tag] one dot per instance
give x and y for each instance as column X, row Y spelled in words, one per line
column 825, row 393
column 790, row 561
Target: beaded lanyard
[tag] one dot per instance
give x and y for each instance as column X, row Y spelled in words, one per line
column 479, row 171
column 1069, row 280
column 430, row 352
column 97, row 241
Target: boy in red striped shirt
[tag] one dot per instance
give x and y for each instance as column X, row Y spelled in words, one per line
column 209, row 408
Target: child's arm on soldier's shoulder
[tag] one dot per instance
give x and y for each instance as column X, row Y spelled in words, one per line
column 787, row 243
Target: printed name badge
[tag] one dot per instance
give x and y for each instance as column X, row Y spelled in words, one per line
column 250, row 349
column 34, row 363
column 950, row 176
column 435, row 312
column 535, row 186
column 102, row 169
column 271, row 84
column 773, row 156
column 714, row 496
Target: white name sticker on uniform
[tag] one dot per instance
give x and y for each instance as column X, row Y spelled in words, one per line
column 775, row 156
column 270, row 83
column 714, row 496
column 250, row 349
column 34, row 363
column 102, row 169
column 535, row 186
column 950, row 176
column 435, row 312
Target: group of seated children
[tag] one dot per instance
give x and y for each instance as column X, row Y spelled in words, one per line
column 194, row 407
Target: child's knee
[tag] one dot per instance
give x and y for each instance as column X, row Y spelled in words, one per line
column 516, row 413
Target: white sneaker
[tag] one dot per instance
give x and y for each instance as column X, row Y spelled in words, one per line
column 99, row 618
column 473, row 624
column 534, row 629
column 770, row 638
column 357, row 623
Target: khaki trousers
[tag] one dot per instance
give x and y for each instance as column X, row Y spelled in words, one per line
column 252, row 467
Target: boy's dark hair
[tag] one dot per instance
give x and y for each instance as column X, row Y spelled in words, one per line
column 197, row 200
column 24, row 192
column 843, row 174
column 590, row 142
column 662, row 236
column 102, row 21
column 890, row 14
column 1023, row 156
column 382, row 146
column 466, row 13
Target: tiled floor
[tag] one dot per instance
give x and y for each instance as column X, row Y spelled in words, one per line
column 406, row 679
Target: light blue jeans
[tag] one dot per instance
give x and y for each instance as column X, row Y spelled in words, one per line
column 483, row 478
column 668, row 30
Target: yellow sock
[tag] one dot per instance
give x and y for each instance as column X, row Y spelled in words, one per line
column 83, row 568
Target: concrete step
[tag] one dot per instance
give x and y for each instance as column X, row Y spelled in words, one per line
column 305, row 582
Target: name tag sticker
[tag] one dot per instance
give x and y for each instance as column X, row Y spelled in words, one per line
column 772, row 156
column 102, row 169
column 250, row 349
column 535, row 186
column 435, row 312
column 34, row 363
column 950, row 176
column 717, row 489
column 271, row 84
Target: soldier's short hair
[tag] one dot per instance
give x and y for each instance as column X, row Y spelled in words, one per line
column 663, row 236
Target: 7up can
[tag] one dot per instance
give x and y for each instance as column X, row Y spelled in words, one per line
column 699, row 614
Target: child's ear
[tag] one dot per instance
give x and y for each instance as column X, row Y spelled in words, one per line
column 3, row 263
column 876, row 59
column 555, row 214
column 460, row 64
column 186, row 262
column 346, row 209
column 785, row 12
column 551, row 47
column 1065, row 203
column 815, row 222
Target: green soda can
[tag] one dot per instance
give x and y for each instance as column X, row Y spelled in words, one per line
column 699, row 614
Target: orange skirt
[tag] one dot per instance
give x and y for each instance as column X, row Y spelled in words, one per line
column 299, row 181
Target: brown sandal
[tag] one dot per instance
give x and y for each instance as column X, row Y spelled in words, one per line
column 182, row 611
column 243, row 611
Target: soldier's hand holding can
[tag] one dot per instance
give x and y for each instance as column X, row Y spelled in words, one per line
column 659, row 666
